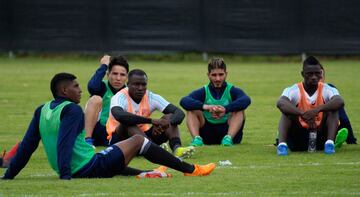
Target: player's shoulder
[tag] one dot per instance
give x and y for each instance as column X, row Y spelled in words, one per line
column 120, row 93
column 151, row 94
column 73, row 108
column 293, row 87
column 328, row 86
column 330, row 89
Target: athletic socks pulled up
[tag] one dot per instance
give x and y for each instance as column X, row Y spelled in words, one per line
column 156, row 154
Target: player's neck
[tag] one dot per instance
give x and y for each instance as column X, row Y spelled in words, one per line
column 310, row 89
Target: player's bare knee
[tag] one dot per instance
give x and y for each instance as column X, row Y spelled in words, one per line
column 238, row 115
column 194, row 112
column 94, row 101
column 138, row 139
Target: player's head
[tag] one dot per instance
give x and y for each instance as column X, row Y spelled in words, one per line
column 65, row 85
column 137, row 84
column 117, row 72
column 217, row 72
column 311, row 71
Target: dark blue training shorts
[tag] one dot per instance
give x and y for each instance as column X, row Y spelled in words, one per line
column 214, row 133
column 298, row 137
column 105, row 164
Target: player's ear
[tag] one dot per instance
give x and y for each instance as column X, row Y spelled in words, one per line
column 63, row 89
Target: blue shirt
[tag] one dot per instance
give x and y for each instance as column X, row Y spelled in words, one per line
column 72, row 124
column 195, row 100
column 96, row 86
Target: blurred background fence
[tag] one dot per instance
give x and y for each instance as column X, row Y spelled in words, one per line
column 327, row 27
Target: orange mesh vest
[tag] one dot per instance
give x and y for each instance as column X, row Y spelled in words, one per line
column 304, row 104
column 144, row 111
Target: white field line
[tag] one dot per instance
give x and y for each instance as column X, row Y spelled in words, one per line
column 42, row 174
column 287, row 165
column 189, row 193
column 244, row 166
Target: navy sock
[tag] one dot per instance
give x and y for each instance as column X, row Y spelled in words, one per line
column 129, row 171
column 156, row 154
column 174, row 143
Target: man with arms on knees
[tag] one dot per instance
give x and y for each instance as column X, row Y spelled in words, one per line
column 101, row 91
column 131, row 110
column 216, row 112
column 59, row 124
column 308, row 106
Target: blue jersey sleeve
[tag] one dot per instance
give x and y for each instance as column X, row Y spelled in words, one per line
column 240, row 101
column 194, row 101
column 96, row 86
column 72, row 124
column 26, row 148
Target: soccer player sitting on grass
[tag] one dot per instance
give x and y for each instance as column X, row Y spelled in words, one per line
column 59, row 124
column 131, row 110
column 216, row 112
column 309, row 105
column 101, row 91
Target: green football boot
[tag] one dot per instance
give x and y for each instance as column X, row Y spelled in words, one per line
column 341, row 137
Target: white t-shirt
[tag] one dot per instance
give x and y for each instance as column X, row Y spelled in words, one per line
column 156, row 102
column 293, row 94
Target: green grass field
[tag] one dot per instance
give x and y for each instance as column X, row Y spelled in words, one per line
column 256, row 169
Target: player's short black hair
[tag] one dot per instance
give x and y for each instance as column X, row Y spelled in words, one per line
column 58, row 79
column 120, row 61
column 215, row 63
column 138, row 72
column 311, row 60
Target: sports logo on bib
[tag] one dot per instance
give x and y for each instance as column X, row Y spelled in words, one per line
column 107, row 150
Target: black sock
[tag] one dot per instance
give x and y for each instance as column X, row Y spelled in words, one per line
column 174, row 143
column 156, row 154
column 129, row 171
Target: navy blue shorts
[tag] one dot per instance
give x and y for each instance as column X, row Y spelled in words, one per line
column 214, row 133
column 105, row 164
column 100, row 135
column 298, row 137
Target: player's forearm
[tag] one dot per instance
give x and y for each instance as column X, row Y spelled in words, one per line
column 95, row 84
column 190, row 104
column 177, row 114
column 239, row 104
column 127, row 118
column 288, row 108
column 334, row 104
